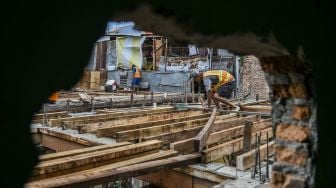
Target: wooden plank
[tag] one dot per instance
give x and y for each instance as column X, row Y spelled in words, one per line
column 58, row 121
column 184, row 146
column 262, row 124
column 96, row 176
column 225, row 124
column 237, row 131
column 84, row 161
column 81, row 151
column 157, row 130
column 85, row 97
column 103, row 117
column 255, row 102
column 59, row 144
column 257, row 108
column 86, row 126
column 246, row 160
column 50, row 115
column 127, row 118
column 204, row 174
column 230, row 147
column 110, row 131
column 67, row 137
column 202, row 137
column 225, row 135
column 247, row 135
column 170, row 137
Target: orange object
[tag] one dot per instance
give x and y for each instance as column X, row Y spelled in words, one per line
column 54, row 96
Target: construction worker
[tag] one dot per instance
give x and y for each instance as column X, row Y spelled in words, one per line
column 136, row 78
column 219, row 85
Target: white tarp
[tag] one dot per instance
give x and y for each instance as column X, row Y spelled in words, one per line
column 192, row 50
column 129, row 51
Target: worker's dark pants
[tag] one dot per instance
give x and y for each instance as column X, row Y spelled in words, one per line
column 136, row 82
column 226, row 89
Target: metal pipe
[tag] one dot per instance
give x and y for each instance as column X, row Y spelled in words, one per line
column 92, row 104
column 152, row 98
column 267, row 170
column 237, row 74
column 144, row 101
column 132, row 98
column 166, row 58
column 67, row 105
column 45, row 119
column 255, row 157
column 185, row 91
column 193, row 90
column 259, row 160
column 111, row 105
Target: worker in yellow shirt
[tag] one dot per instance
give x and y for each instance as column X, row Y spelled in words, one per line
column 219, row 85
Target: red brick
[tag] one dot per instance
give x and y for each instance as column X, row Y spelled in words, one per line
column 300, row 112
column 267, row 67
column 280, row 91
column 292, row 132
column 293, row 181
column 298, row 90
column 291, row 156
column 277, row 180
column 281, row 180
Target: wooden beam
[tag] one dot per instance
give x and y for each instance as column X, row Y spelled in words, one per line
column 110, row 131
column 202, row 137
column 229, row 123
column 87, row 127
column 171, row 137
column 184, row 146
column 96, row 176
column 255, row 102
column 246, row 160
column 204, row 174
column 157, row 130
column 247, row 135
column 114, row 116
column 84, row 161
column 230, row 147
column 262, row 124
column 46, row 131
column 225, row 135
column 81, row 151
column 257, row 108
column 235, row 132
column 59, row 144
column 93, row 125
column 99, row 117
column 50, row 115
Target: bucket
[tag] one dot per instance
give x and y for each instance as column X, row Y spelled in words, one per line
column 54, row 96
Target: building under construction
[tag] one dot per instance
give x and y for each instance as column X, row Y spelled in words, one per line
column 91, row 137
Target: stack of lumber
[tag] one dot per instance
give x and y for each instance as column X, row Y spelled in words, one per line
column 226, row 137
column 101, row 164
column 61, row 163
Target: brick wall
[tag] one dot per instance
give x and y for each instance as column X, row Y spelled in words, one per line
column 252, row 79
column 294, row 121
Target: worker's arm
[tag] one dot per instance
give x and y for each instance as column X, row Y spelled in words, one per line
column 210, row 95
